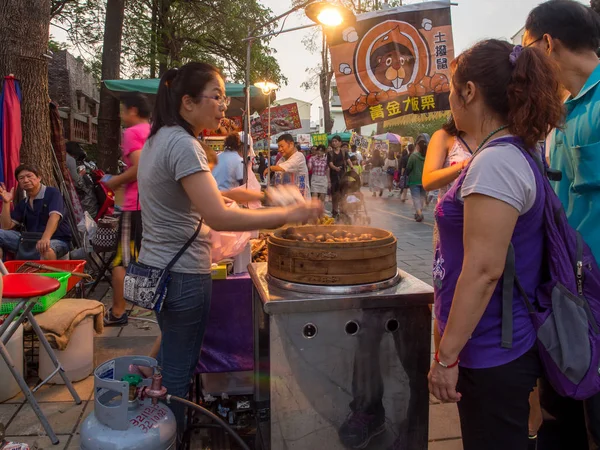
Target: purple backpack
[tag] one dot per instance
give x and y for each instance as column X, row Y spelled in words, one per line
column 566, row 312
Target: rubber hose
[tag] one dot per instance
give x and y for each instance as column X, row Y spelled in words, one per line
column 214, row 417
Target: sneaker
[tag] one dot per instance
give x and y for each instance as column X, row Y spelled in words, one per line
column 391, row 194
column 359, row 428
column 419, row 217
column 113, row 321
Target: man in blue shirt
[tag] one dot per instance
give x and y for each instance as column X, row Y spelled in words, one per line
column 40, row 212
column 229, row 172
column 569, row 33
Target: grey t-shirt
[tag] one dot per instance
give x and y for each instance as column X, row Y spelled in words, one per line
column 502, row 172
column 168, row 217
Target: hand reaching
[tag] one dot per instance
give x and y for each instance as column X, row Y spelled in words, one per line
column 7, row 196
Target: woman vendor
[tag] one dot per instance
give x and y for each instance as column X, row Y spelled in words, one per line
column 177, row 192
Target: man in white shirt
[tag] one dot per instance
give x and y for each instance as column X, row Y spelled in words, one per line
column 292, row 162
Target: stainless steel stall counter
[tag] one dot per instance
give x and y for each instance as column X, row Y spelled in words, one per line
column 341, row 366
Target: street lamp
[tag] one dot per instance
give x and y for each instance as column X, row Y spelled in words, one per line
column 267, row 88
column 321, row 12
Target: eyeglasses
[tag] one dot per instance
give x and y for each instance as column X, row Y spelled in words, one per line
column 223, row 101
column 537, row 40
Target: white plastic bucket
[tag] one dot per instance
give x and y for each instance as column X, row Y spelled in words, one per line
column 9, row 387
column 77, row 359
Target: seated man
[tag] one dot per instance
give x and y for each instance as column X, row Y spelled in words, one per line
column 40, row 212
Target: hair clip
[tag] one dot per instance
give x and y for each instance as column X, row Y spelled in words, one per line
column 514, row 55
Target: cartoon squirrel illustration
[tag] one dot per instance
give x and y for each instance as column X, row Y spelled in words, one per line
column 393, row 64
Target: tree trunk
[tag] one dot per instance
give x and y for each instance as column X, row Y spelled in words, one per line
column 153, row 38
column 24, row 33
column 163, row 36
column 109, row 124
column 325, row 86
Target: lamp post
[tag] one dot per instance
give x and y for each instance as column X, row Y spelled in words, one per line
column 321, row 12
column 267, row 88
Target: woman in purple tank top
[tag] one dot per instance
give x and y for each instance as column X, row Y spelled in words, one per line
column 506, row 98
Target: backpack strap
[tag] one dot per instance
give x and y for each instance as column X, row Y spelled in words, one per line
column 510, row 280
column 508, row 283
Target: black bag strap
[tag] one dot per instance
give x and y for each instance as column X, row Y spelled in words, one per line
column 185, row 246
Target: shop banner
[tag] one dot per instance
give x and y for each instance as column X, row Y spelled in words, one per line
column 283, row 118
column 227, row 125
column 319, row 139
column 395, row 64
column 362, row 143
column 256, row 129
column 303, row 140
column 382, row 146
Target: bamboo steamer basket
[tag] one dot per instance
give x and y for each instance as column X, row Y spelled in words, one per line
column 333, row 263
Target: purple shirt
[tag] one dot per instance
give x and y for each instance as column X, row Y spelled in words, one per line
column 484, row 348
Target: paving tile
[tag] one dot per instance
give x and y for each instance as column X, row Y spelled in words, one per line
column 62, row 417
column 86, row 412
column 450, row 444
column 110, row 332
column 41, row 442
column 106, row 348
column 443, row 421
column 59, row 392
column 74, row 443
column 140, row 328
column 7, row 411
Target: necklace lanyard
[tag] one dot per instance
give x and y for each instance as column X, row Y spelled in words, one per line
column 489, row 136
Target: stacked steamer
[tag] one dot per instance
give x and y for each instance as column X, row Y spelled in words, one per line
column 332, row 255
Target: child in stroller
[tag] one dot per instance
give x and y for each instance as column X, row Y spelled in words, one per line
column 353, row 210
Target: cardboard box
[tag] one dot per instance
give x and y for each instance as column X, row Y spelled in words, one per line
column 219, row 272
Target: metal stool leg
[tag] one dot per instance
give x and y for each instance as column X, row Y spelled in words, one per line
column 28, row 394
column 57, row 364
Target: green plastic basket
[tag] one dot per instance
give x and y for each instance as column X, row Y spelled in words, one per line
column 45, row 301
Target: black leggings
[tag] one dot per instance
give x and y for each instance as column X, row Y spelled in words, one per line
column 494, row 409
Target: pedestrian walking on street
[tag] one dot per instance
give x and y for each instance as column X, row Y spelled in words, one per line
column 377, row 177
column 414, row 169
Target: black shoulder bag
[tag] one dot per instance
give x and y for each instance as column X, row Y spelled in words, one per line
column 146, row 286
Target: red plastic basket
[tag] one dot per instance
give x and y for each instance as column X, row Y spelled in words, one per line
column 65, row 265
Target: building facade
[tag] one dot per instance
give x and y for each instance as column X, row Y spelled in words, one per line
column 76, row 92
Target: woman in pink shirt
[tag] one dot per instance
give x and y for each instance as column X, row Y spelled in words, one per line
column 135, row 115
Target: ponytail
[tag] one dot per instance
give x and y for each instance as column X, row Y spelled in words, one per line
column 519, row 84
column 163, row 108
column 191, row 79
column 534, row 101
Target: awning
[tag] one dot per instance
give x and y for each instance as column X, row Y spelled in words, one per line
column 258, row 101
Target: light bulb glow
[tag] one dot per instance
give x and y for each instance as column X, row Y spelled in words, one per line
column 330, row 17
column 266, row 87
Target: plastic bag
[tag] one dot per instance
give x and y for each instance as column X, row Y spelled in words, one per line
column 87, row 227
column 228, row 244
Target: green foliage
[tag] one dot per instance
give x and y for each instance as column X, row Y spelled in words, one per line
column 56, row 46
column 414, row 129
column 206, row 30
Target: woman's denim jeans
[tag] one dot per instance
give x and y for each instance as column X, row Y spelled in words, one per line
column 182, row 322
column 419, row 197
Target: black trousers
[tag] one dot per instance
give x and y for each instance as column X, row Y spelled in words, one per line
column 494, row 409
column 573, row 425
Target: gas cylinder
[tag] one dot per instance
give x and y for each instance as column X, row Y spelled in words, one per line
column 121, row 420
